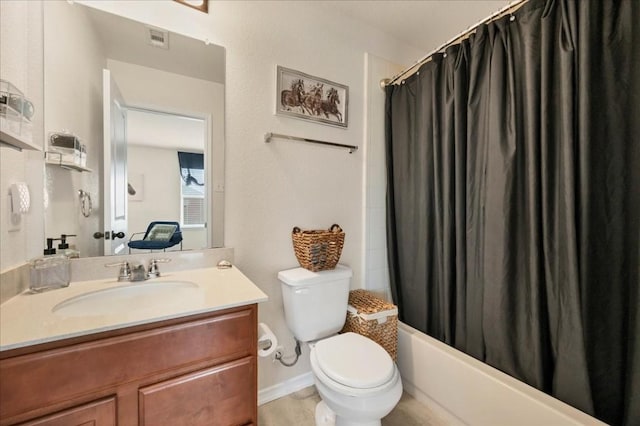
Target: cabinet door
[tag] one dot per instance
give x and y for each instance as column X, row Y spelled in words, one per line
column 224, row 395
column 99, row 413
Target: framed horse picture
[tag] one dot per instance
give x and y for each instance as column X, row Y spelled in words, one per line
column 304, row 96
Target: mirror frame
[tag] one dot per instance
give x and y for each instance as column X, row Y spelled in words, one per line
column 204, row 7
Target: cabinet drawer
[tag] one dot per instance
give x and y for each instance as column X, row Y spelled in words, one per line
column 78, row 370
column 224, row 395
column 99, row 413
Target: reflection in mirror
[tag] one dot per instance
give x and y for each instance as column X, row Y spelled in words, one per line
column 165, row 161
column 148, row 108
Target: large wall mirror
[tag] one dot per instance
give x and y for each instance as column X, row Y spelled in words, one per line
column 147, row 108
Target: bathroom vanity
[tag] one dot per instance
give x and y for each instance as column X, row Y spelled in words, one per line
column 187, row 362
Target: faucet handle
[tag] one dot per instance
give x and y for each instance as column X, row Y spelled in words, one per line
column 153, row 267
column 125, row 270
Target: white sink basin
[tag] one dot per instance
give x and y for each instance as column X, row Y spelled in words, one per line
column 143, row 296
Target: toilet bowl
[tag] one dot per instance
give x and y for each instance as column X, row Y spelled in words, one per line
column 356, row 379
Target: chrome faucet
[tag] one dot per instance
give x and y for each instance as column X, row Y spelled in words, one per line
column 125, row 270
column 137, row 272
column 153, row 271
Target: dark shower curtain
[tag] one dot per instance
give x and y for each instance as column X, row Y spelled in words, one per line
column 514, row 200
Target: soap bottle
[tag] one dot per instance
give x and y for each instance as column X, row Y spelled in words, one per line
column 64, row 249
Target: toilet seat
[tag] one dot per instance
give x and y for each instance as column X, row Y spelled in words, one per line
column 353, row 365
column 354, row 361
column 347, row 390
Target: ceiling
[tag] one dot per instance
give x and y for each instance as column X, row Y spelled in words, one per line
column 167, row 131
column 127, row 41
column 424, row 25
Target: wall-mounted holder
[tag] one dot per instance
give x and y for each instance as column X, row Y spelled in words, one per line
column 86, row 206
column 67, row 151
column 269, row 136
column 56, row 158
column 19, row 204
column 20, row 198
column 16, row 112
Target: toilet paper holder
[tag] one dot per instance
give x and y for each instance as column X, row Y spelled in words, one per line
column 267, row 340
column 264, row 345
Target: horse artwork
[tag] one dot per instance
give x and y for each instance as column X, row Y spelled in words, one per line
column 311, row 98
column 293, row 98
column 330, row 106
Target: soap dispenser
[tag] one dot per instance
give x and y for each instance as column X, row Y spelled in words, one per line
column 64, row 247
column 50, row 249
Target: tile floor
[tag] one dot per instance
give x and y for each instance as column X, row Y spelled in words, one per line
column 298, row 409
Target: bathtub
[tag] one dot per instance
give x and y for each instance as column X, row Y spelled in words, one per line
column 464, row 391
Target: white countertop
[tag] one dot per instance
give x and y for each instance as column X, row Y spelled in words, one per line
column 29, row 319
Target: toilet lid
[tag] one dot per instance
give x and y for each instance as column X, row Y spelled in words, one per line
column 354, row 360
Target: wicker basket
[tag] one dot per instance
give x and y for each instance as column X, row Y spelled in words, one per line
column 374, row 318
column 318, row 250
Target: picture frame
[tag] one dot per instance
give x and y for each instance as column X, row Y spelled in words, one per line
column 303, row 96
column 201, row 5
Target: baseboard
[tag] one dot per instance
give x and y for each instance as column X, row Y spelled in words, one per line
column 285, row 388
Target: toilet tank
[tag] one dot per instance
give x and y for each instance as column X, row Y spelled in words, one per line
column 315, row 303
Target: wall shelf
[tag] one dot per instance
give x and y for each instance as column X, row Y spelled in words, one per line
column 10, row 139
column 64, row 164
column 15, row 118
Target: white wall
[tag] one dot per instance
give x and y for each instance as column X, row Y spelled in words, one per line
column 74, row 58
column 375, row 178
column 21, row 64
column 161, row 182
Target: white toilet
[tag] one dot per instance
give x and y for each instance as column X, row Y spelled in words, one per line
column 358, row 381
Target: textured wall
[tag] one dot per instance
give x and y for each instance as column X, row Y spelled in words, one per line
column 21, row 64
column 376, row 267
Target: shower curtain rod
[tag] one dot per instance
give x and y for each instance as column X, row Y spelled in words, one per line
column 508, row 9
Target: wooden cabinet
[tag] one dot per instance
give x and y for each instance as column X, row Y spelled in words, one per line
column 213, row 396
column 198, row 370
column 99, row 413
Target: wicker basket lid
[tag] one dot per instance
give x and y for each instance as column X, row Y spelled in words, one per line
column 355, row 361
column 366, row 302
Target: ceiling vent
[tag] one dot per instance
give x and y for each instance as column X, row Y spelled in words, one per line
column 158, row 38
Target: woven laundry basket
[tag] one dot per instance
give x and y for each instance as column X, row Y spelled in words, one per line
column 374, row 318
column 318, row 250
